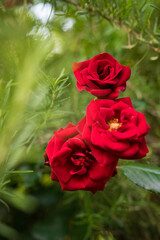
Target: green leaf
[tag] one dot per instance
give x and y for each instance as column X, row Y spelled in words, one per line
column 19, row 200
column 20, row 172
column 5, row 204
column 145, row 176
column 8, row 232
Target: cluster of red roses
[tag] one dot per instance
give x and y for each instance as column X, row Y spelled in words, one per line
column 84, row 156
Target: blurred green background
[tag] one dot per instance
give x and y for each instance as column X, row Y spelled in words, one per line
column 39, row 41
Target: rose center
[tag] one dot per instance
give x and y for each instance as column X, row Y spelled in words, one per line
column 114, row 124
column 103, row 72
column 81, row 161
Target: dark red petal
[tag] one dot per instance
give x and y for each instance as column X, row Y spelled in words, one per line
column 92, row 69
column 75, row 144
column 53, row 176
column 124, row 75
column 106, row 103
column 59, row 156
column 112, row 144
column 99, row 173
column 96, row 138
column 68, row 132
column 100, row 92
column 62, row 171
column 80, row 87
column 102, row 156
column 92, row 112
column 130, row 152
column 142, row 125
column 81, row 124
column 81, row 171
column 143, row 150
column 104, row 56
column 126, row 100
column 86, row 80
column 75, row 183
column 86, row 134
column 129, row 132
column 105, row 115
column 59, row 139
column 94, row 186
column 129, row 116
column 114, row 94
column 78, row 66
column 120, row 105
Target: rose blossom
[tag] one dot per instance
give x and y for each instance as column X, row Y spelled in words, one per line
column 102, row 76
column 116, row 127
column 75, row 165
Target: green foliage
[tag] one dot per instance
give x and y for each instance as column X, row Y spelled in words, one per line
column 143, row 175
column 37, row 98
column 139, row 18
column 29, row 101
column 8, row 232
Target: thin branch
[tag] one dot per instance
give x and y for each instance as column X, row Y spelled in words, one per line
column 121, row 25
column 72, row 2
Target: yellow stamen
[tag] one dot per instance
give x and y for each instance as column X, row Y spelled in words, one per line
column 114, row 124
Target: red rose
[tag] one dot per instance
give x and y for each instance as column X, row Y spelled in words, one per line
column 73, row 163
column 102, row 76
column 116, row 127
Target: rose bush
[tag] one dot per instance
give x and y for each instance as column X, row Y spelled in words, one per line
column 116, row 127
column 102, row 76
column 75, row 165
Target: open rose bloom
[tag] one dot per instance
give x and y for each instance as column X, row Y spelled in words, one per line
column 73, row 163
column 102, row 76
column 84, row 156
column 116, row 127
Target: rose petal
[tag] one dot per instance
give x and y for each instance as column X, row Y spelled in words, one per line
column 75, row 144
column 100, row 92
column 104, row 172
column 142, row 125
column 53, row 176
column 92, row 112
column 129, row 131
column 87, row 82
column 106, row 56
column 81, row 124
column 112, row 144
column 75, row 183
column 77, row 68
column 62, row 170
column 143, row 150
column 81, row 171
column 105, row 114
column 126, row 100
column 120, row 105
column 123, row 75
column 106, row 103
column 130, row 152
column 94, row 186
column 59, row 138
column 59, row 155
column 96, row 138
column 87, row 133
column 103, row 157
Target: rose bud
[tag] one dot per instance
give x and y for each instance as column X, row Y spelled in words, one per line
column 102, row 76
column 74, row 165
column 115, row 126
